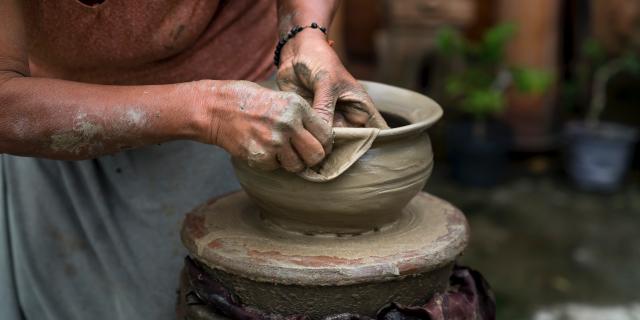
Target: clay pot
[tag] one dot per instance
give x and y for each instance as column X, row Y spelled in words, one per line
column 372, row 192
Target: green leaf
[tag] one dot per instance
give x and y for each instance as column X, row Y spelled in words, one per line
column 454, row 86
column 593, row 50
column 449, row 41
column 483, row 102
column 531, row 80
column 495, row 40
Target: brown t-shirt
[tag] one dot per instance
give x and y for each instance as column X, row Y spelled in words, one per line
column 151, row 42
column 100, row 239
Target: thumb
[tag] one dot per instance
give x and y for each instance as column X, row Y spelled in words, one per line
column 324, row 101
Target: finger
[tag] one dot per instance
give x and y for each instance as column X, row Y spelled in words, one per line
column 353, row 113
column 289, row 159
column 339, row 120
column 324, row 100
column 308, row 147
column 358, row 108
column 320, row 129
column 375, row 118
column 261, row 160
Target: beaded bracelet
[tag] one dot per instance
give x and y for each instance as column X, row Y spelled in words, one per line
column 292, row 33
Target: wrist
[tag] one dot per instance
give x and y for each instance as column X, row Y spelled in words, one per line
column 293, row 13
column 293, row 45
column 206, row 100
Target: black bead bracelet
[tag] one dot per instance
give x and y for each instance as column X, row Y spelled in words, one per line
column 292, row 33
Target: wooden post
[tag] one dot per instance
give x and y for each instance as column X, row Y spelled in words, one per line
column 616, row 24
column 535, row 45
column 411, row 27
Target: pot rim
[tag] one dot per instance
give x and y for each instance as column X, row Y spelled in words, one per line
column 420, row 101
column 603, row 130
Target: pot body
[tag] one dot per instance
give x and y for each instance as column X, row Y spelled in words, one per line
column 368, row 196
column 597, row 159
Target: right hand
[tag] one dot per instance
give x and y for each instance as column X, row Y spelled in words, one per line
column 267, row 128
column 311, row 68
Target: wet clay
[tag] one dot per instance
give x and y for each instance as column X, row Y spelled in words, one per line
column 288, row 273
column 368, row 196
column 349, row 145
column 355, row 190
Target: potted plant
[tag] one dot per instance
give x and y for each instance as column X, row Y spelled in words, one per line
column 598, row 153
column 475, row 85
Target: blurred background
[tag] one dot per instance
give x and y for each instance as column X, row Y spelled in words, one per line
column 538, row 145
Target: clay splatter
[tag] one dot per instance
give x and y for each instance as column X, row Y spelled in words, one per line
column 256, row 153
column 88, row 132
column 135, row 118
column 81, row 137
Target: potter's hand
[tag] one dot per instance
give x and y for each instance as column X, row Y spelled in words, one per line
column 311, row 68
column 268, row 129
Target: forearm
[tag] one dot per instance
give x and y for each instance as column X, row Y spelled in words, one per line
column 303, row 12
column 68, row 120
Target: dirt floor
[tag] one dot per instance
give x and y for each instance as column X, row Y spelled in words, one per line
column 541, row 243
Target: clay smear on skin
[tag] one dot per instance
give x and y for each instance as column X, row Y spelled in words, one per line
column 21, row 128
column 287, row 117
column 81, row 137
column 89, row 134
column 256, row 153
column 135, row 118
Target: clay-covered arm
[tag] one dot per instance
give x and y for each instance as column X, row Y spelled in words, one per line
column 69, row 120
column 311, row 68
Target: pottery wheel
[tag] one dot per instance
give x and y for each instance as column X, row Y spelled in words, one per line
column 290, row 273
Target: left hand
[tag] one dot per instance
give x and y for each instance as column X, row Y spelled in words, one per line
column 312, row 69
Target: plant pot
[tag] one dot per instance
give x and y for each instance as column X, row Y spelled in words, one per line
column 598, row 158
column 478, row 157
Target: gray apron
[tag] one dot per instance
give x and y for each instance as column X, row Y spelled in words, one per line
column 99, row 239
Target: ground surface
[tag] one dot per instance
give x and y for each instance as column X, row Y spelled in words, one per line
column 541, row 243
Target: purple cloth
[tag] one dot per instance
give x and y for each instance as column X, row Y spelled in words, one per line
column 469, row 297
